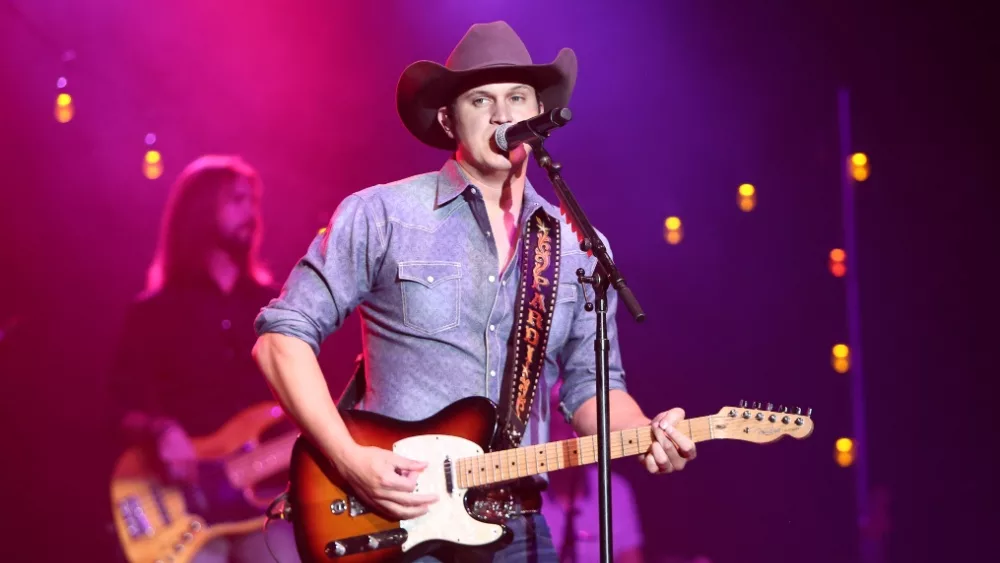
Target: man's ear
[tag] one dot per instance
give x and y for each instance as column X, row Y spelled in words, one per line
column 444, row 119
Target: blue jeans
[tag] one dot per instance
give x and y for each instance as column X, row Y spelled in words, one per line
column 532, row 543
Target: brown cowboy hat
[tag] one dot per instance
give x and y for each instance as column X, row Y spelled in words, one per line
column 489, row 52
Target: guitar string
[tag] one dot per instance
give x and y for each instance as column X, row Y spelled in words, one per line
column 553, row 450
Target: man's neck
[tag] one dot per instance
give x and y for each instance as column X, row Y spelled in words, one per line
column 503, row 191
column 223, row 270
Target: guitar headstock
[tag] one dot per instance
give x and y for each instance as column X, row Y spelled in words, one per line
column 752, row 422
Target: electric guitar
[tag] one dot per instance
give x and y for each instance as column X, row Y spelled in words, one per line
column 331, row 523
column 162, row 522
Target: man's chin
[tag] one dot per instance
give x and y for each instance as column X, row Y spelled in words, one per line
column 508, row 161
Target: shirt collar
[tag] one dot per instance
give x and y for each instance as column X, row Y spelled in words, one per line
column 452, row 182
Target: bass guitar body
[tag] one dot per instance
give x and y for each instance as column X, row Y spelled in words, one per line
column 165, row 522
column 332, row 524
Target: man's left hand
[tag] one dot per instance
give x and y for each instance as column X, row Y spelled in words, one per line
column 672, row 449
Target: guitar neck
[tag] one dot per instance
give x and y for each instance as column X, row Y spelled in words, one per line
column 267, row 460
column 508, row 465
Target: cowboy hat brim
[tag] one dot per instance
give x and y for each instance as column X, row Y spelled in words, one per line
column 426, row 86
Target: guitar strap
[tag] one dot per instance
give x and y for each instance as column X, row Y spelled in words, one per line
column 536, row 300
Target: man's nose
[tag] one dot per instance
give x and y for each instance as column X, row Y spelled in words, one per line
column 502, row 113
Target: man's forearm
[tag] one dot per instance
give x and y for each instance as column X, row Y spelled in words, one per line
column 624, row 413
column 294, row 375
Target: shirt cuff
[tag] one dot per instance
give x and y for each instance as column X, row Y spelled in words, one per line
column 577, row 394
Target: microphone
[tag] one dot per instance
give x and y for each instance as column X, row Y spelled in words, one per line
column 509, row 135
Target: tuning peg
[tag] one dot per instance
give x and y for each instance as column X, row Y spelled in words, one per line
column 784, row 409
column 756, row 406
column 809, row 411
column 742, row 404
column 770, row 406
column 798, row 410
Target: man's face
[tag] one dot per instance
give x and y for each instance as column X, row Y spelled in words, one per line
column 477, row 114
column 238, row 215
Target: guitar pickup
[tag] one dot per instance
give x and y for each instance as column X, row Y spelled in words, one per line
column 136, row 522
column 368, row 542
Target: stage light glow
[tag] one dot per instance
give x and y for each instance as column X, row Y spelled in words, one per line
column 152, row 164
column 838, row 262
column 841, row 351
column 322, row 230
column 672, row 231
column 64, row 109
column 859, row 166
column 840, row 358
column 844, row 445
column 748, row 203
column 844, row 459
column 747, row 190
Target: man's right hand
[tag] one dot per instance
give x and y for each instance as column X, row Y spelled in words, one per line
column 176, row 452
column 385, row 481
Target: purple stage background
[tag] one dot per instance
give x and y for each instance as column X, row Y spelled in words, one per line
column 677, row 104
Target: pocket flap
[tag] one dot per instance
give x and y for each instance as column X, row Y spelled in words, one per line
column 429, row 274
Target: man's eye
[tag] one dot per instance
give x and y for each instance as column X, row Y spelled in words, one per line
column 480, row 101
column 517, row 98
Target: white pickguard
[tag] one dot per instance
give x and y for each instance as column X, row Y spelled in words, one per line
column 447, row 518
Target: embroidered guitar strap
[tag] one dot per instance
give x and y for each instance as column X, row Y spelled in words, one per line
column 536, row 300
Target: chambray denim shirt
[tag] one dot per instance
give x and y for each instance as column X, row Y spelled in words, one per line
column 417, row 259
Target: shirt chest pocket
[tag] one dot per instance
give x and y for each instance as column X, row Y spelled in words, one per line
column 431, row 294
column 566, row 300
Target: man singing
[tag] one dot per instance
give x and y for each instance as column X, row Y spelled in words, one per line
column 433, row 263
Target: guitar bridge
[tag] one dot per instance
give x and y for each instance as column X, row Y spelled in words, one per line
column 368, row 542
column 357, row 508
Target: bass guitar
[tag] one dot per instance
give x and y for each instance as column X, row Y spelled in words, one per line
column 331, row 523
column 166, row 522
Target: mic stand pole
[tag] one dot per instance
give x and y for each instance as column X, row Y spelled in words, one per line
column 605, row 274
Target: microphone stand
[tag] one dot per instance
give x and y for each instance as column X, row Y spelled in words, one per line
column 605, row 274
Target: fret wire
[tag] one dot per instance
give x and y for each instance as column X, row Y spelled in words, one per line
column 497, row 468
column 519, row 462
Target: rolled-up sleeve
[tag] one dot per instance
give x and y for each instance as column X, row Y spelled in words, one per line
column 577, row 360
column 336, row 273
